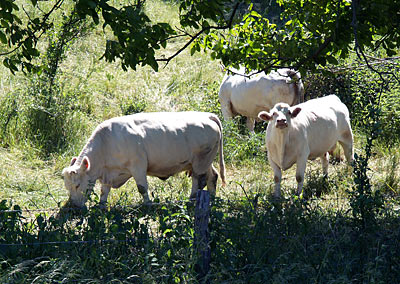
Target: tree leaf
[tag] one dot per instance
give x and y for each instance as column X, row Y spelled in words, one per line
column 3, row 38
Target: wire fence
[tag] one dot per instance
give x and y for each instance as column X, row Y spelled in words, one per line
column 168, row 203
column 254, row 216
column 99, row 242
column 252, row 202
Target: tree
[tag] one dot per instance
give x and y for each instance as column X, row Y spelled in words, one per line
column 135, row 38
column 310, row 33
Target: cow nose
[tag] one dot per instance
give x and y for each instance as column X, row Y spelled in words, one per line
column 281, row 123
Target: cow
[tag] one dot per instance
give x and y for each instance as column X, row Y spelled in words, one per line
column 158, row 144
column 304, row 132
column 239, row 94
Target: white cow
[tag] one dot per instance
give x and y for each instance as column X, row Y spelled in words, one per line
column 155, row 144
column 306, row 131
column 239, row 94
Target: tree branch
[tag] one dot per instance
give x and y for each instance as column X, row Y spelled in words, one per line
column 31, row 34
column 194, row 37
column 360, row 53
column 315, row 55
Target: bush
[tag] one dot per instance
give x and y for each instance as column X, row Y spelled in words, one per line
column 357, row 88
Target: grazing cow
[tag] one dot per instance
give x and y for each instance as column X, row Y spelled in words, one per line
column 239, row 94
column 155, row 144
column 306, row 131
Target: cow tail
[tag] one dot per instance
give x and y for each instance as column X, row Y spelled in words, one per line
column 221, row 150
column 298, row 86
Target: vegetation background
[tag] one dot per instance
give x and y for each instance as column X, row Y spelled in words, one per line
column 349, row 234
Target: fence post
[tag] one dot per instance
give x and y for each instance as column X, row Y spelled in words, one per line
column 202, row 235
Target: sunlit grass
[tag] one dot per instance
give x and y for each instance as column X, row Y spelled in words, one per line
column 103, row 90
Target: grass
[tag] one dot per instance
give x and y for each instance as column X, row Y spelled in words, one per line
column 254, row 239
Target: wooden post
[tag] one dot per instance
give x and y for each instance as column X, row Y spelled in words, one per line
column 202, row 235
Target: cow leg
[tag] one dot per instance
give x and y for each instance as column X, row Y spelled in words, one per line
column 143, row 189
column 142, row 185
column 226, row 108
column 325, row 162
column 277, row 178
column 301, row 168
column 212, row 177
column 198, row 183
column 250, row 124
column 203, row 170
column 346, row 140
column 105, row 190
column 139, row 173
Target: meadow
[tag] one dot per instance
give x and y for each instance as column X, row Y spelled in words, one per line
column 350, row 234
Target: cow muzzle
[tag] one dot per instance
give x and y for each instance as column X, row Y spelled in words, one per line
column 281, row 123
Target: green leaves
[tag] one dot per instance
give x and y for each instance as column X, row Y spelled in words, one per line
column 302, row 34
column 136, row 38
column 302, row 38
column 3, row 38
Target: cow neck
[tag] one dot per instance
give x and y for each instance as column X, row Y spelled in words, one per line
column 281, row 140
column 91, row 151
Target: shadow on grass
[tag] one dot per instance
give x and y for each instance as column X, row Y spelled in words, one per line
column 257, row 240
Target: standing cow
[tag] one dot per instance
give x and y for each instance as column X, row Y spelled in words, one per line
column 239, row 94
column 155, row 144
column 306, row 131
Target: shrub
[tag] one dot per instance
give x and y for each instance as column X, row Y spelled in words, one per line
column 357, row 88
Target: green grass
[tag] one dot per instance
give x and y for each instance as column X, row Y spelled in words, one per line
column 254, row 239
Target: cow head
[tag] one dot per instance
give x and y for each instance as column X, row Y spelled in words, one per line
column 77, row 182
column 281, row 115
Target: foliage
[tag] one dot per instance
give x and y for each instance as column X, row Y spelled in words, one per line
column 252, row 240
column 313, row 33
column 135, row 37
column 295, row 243
column 367, row 203
column 359, row 88
column 42, row 109
column 120, row 244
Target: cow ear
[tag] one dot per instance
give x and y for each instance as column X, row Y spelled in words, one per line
column 264, row 116
column 296, row 111
column 85, row 165
column 73, row 161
